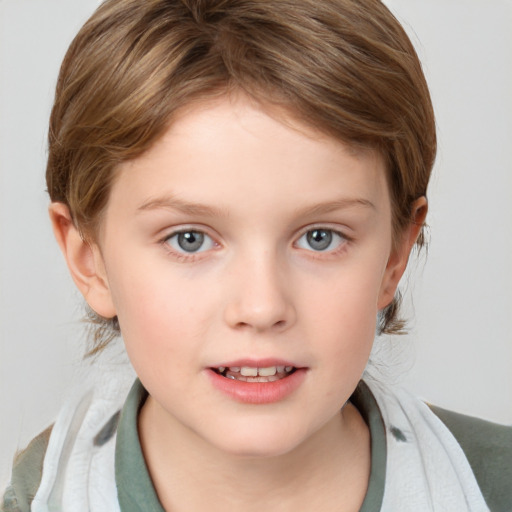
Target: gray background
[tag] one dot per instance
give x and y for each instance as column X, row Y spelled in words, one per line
column 459, row 351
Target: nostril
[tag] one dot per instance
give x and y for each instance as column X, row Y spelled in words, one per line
column 280, row 324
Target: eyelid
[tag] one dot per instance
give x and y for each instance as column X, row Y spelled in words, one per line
column 343, row 231
column 170, row 231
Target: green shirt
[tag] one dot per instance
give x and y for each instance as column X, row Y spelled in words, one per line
column 488, row 448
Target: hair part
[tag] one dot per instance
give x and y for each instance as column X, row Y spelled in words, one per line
column 343, row 67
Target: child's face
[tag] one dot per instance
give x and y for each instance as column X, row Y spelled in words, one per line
column 238, row 240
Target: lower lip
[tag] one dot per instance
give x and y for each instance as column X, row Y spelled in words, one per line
column 258, row 392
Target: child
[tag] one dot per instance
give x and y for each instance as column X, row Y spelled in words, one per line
column 236, row 187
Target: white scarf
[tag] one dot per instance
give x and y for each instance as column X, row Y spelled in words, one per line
column 77, row 475
column 428, row 472
column 426, row 469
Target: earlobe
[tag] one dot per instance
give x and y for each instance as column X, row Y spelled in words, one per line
column 84, row 261
column 399, row 257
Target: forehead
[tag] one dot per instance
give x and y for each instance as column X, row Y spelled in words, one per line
column 236, row 154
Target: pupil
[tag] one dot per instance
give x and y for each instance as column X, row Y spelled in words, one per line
column 190, row 241
column 319, row 239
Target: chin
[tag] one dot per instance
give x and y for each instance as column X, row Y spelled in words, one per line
column 259, row 449
column 258, row 443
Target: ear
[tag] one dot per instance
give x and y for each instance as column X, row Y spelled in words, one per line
column 399, row 256
column 84, row 261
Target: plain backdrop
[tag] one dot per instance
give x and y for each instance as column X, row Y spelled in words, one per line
column 459, row 351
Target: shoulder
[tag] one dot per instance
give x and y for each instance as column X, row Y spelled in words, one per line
column 26, row 475
column 488, row 448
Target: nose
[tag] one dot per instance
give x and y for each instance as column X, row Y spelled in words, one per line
column 260, row 297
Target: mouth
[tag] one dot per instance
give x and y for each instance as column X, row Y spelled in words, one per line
column 261, row 381
column 255, row 374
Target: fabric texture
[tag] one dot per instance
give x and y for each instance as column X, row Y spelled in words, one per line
column 78, row 468
column 134, row 485
column 488, row 448
column 426, row 467
column 417, row 464
column 25, row 484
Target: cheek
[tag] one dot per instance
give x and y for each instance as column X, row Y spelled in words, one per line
column 341, row 314
column 162, row 317
column 347, row 299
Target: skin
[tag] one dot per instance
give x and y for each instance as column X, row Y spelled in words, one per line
column 255, row 182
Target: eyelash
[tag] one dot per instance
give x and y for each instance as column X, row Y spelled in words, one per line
column 183, row 255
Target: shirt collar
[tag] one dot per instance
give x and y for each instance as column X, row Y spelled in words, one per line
column 135, row 488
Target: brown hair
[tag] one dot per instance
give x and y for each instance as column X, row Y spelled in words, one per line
column 345, row 67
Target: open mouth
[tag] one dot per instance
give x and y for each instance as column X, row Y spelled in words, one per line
column 251, row 374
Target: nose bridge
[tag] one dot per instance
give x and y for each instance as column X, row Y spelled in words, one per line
column 259, row 297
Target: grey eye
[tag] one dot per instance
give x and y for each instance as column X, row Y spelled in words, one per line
column 320, row 240
column 190, row 241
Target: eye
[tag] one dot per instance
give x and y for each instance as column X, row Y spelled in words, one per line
column 190, row 241
column 320, row 240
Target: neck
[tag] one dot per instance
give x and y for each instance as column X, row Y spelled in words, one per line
column 329, row 469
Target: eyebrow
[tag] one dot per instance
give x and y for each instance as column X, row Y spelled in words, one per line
column 174, row 203
column 332, row 206
column 190, row 208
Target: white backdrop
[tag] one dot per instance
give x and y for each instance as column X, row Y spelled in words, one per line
column 459, row 351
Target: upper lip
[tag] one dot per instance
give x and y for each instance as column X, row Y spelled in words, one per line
column 256, row 363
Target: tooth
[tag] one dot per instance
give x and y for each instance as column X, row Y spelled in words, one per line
column 270, row 378
column 231, row 377
column 221, row 369
column 280, row 369
column 267, row 372
column 249, row 372
column 289, row 369
column 234, row 368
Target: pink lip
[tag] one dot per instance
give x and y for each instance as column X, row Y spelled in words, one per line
column 257, row 392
